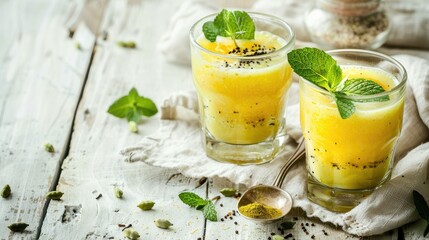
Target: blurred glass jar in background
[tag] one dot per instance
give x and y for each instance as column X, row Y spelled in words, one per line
column 348, row 24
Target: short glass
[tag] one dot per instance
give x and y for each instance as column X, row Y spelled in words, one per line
column 347, row 159
column 242, row 99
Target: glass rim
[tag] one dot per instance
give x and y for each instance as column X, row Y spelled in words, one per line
column 289, row 42
column 392, row 60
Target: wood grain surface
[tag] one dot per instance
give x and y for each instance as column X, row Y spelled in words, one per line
column 60, row 69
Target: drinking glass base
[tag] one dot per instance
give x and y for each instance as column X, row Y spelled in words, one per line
column 244, row 154
column 336, row 199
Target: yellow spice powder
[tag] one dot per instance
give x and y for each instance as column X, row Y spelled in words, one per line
column 260, row 211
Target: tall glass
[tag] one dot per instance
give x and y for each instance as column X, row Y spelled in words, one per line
column 347, row 159
column 242, row 99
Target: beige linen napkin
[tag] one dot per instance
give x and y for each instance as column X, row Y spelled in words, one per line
column 177, row 145
column 409, row 20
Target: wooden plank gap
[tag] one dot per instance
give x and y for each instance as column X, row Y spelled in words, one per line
column 69, row 137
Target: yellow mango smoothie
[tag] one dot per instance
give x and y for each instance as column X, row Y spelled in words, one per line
column 242, row 75
column 352, row 153
column 242, row 100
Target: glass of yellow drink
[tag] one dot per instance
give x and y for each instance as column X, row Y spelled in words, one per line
column 347, row 159
column 242, row 90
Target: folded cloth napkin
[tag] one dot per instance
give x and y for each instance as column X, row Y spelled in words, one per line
column 409, row 20
column 177, row 145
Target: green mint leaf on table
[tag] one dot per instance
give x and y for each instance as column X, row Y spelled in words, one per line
column 133, row 107
column 191, row 199
column 322, row 70
column 209, row 211
column 233, row 24
column 316, row 66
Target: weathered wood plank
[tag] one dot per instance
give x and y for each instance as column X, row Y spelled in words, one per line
column 94, row 165
column 41, row 78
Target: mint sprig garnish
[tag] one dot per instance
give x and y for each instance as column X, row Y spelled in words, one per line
column 320, row 68
column 209, row 211
column 193, row 200
column 233, row 24
column 422, row 208
column 133, row 107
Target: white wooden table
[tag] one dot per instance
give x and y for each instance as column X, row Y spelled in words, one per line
column 51, row 91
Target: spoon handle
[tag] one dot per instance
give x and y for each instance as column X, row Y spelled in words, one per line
column 298, row 154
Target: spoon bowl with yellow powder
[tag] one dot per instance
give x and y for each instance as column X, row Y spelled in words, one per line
column 266, row 204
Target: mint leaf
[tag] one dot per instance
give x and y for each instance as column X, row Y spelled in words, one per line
column 361, row 86
column 120, row 107
column 316, row 66
column 234, row 24
column 191, row 199
column 210, row 31
column 422, row 209
column 345, row 106
column 209, row 212
column 133, row 107
column 146, row 106
column 421, row 205
column 426, row 230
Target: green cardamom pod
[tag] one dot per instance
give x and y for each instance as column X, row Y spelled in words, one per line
column 146, row 205
column 131, row 234
column 18, row 227
column 162, row 223
column 5, row 192
column 277, row 237
column 133, row 126
column 118, row 192
column 55, row 195
column 129, row 44
column 49, row 148
column 228, row 192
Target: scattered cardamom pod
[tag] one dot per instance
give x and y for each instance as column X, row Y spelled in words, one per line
column 18, row 227
column 49, row 148
column 228, row 192
column 146, row 205
column 78, row 46
column 133, row 126
column 5, row 192
column 131, row 234
column 118, row 192
column 128, row 44
column 162, row 223
column 54, row 195
column 277, row 237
